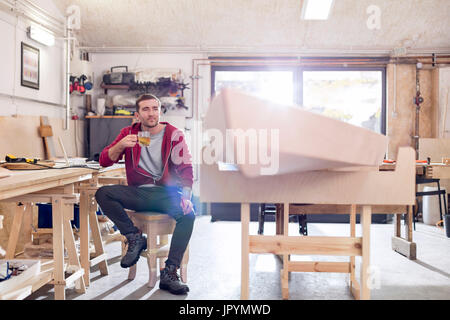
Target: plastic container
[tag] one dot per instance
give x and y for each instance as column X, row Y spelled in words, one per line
column 431, row 214
column 45, row 215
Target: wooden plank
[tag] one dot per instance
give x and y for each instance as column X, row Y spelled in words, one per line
column 307, row 141
column 20, row 135
column 84, row 234
column 286, row 219
column 96, row 260
column 285, row 278
column 44, row 198
column 40, row 165
column 58, row 248
column 285, row 270
column 397, row 224
column 20, row 182
column 4, row 173
column 318, row 187
column 27, row 223
column 409, row 224
column 404, row 247
column 96, row 235
column 279, row 219
column 336, row 246
column 245, row 250
column 47, row 136
column 15, row 231
column 69, row 242
column 366, row 217
column 440, row 172
column 314, row 266
column 76, row 276
column 356, row 289
column 435, row 149
column 352, row 235
column 342, row 209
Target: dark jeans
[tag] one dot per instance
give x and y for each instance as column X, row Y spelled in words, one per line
column 114, row 199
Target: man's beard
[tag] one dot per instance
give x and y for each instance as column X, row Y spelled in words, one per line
column 147, row 125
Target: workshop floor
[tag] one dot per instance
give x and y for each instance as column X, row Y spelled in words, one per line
column 214, row 268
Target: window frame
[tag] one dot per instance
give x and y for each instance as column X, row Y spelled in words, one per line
column 383, row 86
column 298, row 78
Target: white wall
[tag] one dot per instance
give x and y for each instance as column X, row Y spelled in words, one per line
column 52, row 69
column 102, row 62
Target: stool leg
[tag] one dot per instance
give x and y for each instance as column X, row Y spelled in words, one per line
column 151, row 256
column 183, row 267
column 163, row 240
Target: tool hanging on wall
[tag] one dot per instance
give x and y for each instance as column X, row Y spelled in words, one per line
column 81, row 88
column 88, row 85
column 73, row 84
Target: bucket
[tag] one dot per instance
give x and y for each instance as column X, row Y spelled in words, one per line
column 447, row 225
column 430, row 208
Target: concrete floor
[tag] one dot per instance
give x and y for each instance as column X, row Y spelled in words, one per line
column 214, row 268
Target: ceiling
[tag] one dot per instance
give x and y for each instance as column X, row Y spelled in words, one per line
column 261, row 25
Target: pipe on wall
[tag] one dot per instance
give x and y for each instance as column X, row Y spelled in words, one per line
column 67, row 81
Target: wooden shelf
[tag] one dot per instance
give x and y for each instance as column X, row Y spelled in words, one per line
column 114, row 86
column 106, row 87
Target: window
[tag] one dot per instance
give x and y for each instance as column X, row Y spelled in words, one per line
column 274, row 84
column 353, row 95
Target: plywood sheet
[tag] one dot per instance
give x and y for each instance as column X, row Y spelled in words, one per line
column 436, row 149
column 316, row 187
column 20, row 137
column 306, row 141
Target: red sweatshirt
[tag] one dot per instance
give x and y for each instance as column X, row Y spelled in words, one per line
column 176, row 172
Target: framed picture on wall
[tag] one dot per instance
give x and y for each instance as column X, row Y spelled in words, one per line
column 30, row 66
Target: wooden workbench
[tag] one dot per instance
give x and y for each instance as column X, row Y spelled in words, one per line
column 325, row 187
column 56, row 185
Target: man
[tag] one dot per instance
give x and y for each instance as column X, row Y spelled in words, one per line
column 159, row 179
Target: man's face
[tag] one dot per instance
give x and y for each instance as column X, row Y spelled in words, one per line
column 149, row 113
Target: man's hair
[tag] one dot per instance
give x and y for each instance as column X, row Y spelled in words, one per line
column 147, row 96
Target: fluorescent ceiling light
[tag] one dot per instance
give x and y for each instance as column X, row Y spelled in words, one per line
column 316, row 9
column 41, row 36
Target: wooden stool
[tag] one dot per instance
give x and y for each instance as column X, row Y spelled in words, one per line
column 155, row 225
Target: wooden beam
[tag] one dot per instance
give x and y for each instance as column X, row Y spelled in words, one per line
column 315, row 266
column 335, row 246
column 245, row 219
column 355, row 289
column 98, row 259
column 366, row 219
column 352, row 234
column 58, row 248
column 404, row 247
column 15, row 231
column 43, row 198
